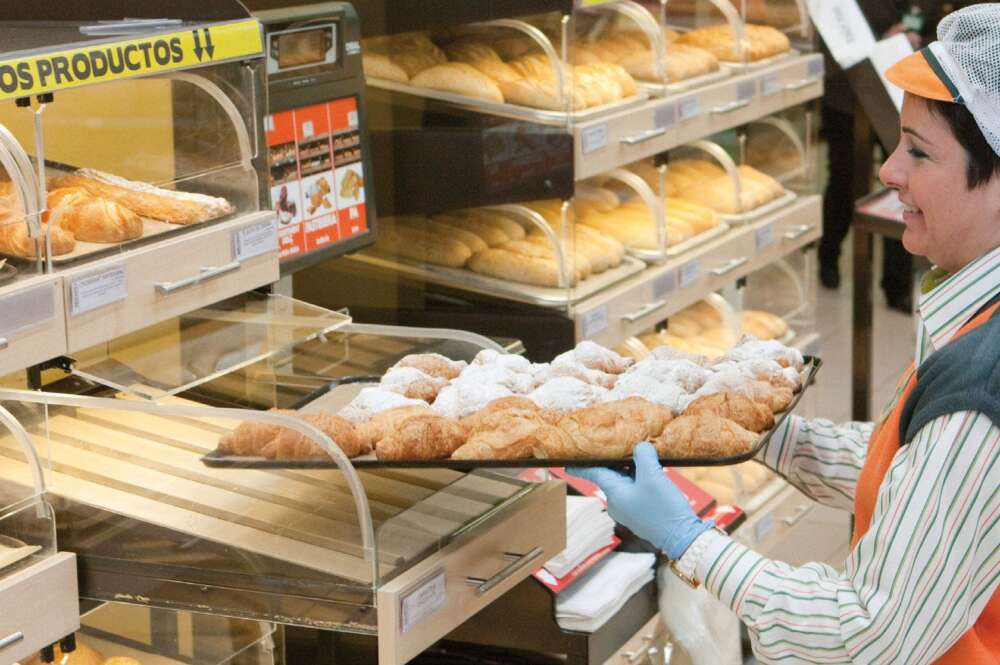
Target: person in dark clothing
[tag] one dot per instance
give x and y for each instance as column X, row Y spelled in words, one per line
column 886, row 17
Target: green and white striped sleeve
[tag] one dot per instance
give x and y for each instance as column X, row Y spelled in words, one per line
column 820, row 458
column 916, row 581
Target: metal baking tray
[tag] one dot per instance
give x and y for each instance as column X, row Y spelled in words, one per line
column 760, row 211
column 515, row 111
column 656, row 256
column 217, row 459
column 674, row 87
column 546, row 296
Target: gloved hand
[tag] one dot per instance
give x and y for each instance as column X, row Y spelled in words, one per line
column 650, row 506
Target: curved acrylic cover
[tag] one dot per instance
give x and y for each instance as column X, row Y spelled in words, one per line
column 783, row 146
column 709, row 327
column 186, row 141
column 784, row 288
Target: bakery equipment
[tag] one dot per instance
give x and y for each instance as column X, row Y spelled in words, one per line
column 320, row 169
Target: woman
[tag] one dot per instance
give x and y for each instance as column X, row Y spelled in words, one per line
column 921, row 582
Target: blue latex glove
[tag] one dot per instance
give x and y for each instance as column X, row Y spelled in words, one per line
column 650, row 506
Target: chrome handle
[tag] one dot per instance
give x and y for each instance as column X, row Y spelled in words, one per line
column 800, row 512
column 642, row 137
column 801, row 83
column 205, row 274
column 729, row 266
column 13, row 638
column 648, row 308
column 732, row 106
column 668, row 653
column 517, row 562
column 798, row 231
column 4, row 343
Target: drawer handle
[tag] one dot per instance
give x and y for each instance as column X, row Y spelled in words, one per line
column 205, row 274
column 800, row 512
column 801, row 83
column 642, row 137
column 11, row 639
column 4, row 343
column 797, row 232
column 517, row 562
column 732, row 106
column 729, row 266
column 648, row 308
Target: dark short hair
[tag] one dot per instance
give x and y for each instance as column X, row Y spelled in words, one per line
column 982, row 162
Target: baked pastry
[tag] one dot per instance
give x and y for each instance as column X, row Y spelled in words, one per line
column 594, row 356
column 667, row 395
column 745, row 412
column 381, row 424
column 413, row 243
column 510, row 434
column 759, row 41
column 380, row 65
column 371, row 401
column 422, row 437
column 540, row 93
column 594, row 377
column 459, row 78
column 121, row 660
column 608, row 430
column 505, row 264
column 474, row 242
column 257, row 439
column 490, row 232
column 703, row 436
column 751, row 349
column 763, row 369
column 350, row 186
column 513, row 230
column 511, row 361
column 91, row 219
column 84, row 654
column 763, row 325
column 463, row 398
column 14, row 239
column 516, row 381
column 412, row 52
column 413, row 383
column 514, row 403
column 776, row 398
column 146, row 200
column 433, row 364
column 567, row 394
column 683, row 373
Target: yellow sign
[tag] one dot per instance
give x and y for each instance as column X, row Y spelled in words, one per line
column 108, row 61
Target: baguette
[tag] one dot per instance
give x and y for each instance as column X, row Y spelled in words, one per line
column 467, row 238
column 460, row 78
column 422, row 246
column 505, row 264
column 482, row 57
column 145, row 200
column 543, row 250
column 497, row 219
column 489, row 233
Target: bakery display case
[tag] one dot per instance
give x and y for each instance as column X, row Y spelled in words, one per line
column 137, row 145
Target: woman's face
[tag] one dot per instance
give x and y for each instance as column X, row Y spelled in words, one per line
column 945, row 221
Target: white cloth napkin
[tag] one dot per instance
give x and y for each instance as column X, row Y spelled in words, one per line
column 603, row 590
column 588, row 529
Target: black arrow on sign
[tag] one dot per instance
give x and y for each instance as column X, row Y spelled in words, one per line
column 209, row 47
column 197, row 45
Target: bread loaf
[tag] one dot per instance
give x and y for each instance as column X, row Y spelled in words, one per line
column 505, row 264
column 423, row 246
column 759, row 41
column 94, row 220
column 14, row 240
column 491, row 234
column 512, row 229
column 411, row 52
column 459, row 78
column 575, row 262
column 467, row 238
column 380, row 65
column 483, row 57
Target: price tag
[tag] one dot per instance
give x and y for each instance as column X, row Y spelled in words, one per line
column 255, row 239
column 98, row 289
column 690, row 272
column 595, row 321
column 688, row 108
column 765, row 236
column 594, row 138
column 308, row 129
column 665, row 284
column 421, row 602
column 746, row 90
column 770, row 84
column 816, row 68
column 269, row 123
column 762, row 527
column 665, row 116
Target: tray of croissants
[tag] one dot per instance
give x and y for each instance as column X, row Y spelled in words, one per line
column 590, row 406
column 89, row 210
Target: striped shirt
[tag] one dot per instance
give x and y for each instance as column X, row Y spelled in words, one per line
column 930, row 560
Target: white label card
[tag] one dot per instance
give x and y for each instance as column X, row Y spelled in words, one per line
column 665, row 284
column 816, row 68
column 763, row 527
column 770, row 84
column 665, row 116
column 98, row 289
column 690, row 272
column 308, row 129
column 844, row 29
column 765, row 236
column 255, row 239
column 594, row 138
column 422, row 601
column 689, row 108
column 746, row 90
column 595, row 321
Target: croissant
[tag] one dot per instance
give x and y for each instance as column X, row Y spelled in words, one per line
column 381, row 424
column 512, row 434
column 608, row 430
column 14, row 240
column 703, row 436
column 250, row 436
column 514, row 403
column 422, row 437
column 748, row 414
column 292, row 444
column 434, row 364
